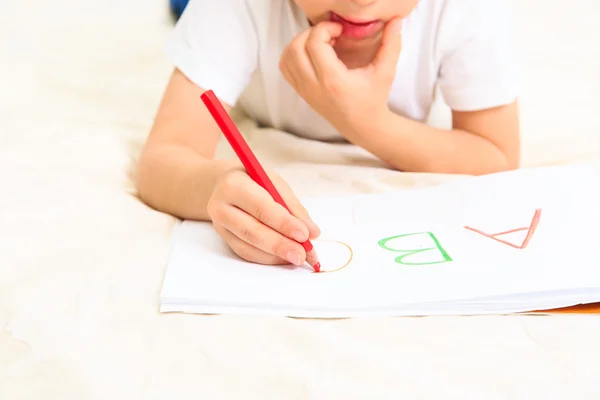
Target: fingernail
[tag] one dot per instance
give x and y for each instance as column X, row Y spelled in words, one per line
column 294, row 257
column 314, row 227
column 299, row 236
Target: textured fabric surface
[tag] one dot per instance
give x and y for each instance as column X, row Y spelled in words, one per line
column 82, row 260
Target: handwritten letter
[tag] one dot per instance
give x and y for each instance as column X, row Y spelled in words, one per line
column 421, row 248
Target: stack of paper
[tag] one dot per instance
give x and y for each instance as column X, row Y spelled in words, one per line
column 504, row 243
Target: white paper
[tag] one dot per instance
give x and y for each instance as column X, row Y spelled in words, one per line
column 422, row 252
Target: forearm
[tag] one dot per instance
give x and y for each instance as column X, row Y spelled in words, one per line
column 178, row 181
column 413, row 146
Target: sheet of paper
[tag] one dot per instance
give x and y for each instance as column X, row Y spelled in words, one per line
column 386, row 255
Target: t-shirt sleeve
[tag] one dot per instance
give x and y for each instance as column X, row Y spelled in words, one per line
column 479, row 65
column 214, row 44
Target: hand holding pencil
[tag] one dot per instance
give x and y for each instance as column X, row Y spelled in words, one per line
column 257, row 213
column 257, row 228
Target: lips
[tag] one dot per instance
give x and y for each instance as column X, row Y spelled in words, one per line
column 357, row 29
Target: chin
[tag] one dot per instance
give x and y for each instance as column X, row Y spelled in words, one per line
column 356, row 54
column 360, row 45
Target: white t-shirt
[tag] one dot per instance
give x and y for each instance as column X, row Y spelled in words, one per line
column 464, row 47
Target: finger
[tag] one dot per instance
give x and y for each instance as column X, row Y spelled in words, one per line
column 386, row 59
column 301, row 212
column 297, row 59
column 287, row 73
column 296, row 207
column 247, row 251
column 253, row 232
column 244, row 193
column 295, row 63
column 322, row 55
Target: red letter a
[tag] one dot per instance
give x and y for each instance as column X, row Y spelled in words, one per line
column 530, row 231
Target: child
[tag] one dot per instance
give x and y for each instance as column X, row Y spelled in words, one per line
column 364, row 71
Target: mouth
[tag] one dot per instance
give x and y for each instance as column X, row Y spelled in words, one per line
column 356, row 28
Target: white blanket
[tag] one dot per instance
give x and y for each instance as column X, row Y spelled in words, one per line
column 82, row 259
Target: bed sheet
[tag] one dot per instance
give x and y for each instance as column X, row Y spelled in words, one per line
column 82, row 259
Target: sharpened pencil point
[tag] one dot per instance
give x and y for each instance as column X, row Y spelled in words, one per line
column 312, row 259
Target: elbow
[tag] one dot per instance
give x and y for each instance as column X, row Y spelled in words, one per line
column 512, row 164
column 508, row 160
column 142, row 179
column 148, row 183
column 502, row 162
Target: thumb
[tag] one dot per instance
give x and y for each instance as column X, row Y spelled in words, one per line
column 391, row 45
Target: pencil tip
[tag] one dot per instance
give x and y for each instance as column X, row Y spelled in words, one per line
column 313, row 260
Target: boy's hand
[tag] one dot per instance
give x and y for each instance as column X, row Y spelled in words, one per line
column 345, row 97
column 257, row 228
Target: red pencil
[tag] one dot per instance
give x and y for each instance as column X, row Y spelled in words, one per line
column 249, row 160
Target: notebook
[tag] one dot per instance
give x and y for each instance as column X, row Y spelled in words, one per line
column 510, row 242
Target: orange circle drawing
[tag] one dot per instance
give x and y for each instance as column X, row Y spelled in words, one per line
column 351, row 256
